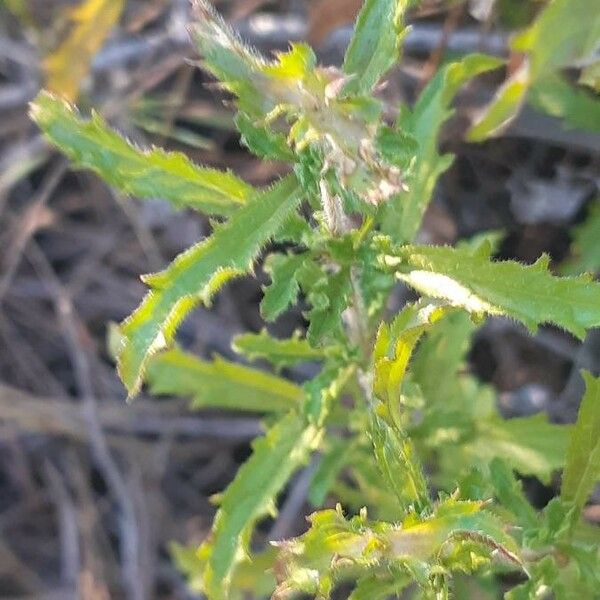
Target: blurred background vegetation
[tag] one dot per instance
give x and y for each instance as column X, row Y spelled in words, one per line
column 92, row 491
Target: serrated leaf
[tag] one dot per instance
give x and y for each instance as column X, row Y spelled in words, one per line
column 259, row 84
column 329, row 299
column 197, row 274
column 220, row 383
column 424, row 124
column 280, row 353
column 375, row 45
column 529, row 294
column 334, row 543
column 283, row 290
column 574, row 32
column 582, row 468
column 396, row 147
column 394, row 347
column 91, row 144
column 69, row 64
column 275, row 457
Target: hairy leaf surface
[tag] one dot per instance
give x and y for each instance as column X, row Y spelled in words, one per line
column 396, row 457
column 91, row 144
column 529, row 294
column 252, row 494
column 198, row 273
column 374, row 547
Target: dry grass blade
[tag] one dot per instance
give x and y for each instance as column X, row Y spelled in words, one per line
column 69, row 64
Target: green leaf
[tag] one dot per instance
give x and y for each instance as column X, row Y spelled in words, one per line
column 260, row 85
column 529, row 294
column 440, row 355
column 507, row 102
column 582, row 468
column 280, row 353
column 252, row 494
column 378, row 587
column 198, row 273
column 456, row 533
column 424, row 124
column 253, row 575
column 220, row 383
column 335, row 458
column 399, row 464
column 510, row 494
column 590, row 76
column 531, row 445
column 283, row 290
column 329, row 299
column 394, row 347
column 586, row 245
column 375, row 45
column 574, row 32
column 576, row 106
column 91, row 144
column 263, row 142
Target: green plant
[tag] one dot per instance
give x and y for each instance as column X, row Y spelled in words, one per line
column 432, row 483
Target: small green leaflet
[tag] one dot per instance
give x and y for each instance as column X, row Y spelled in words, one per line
column 574, row 32
column 510, row 493
column 334, row 458
column 586, row 245
column 283, row 290
column 481, row 286
column 260, row 85
column 252, row 494
column 91, row 144
column 280, row 353
column 253, row 575
column 375, row 45
column 197, row 274
column 220, row 383
column 380, row 587
column 424, row 123
column 394, row 347
column 263, row 142
column 582, row 468
column 399, row 464
column 329, row 299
